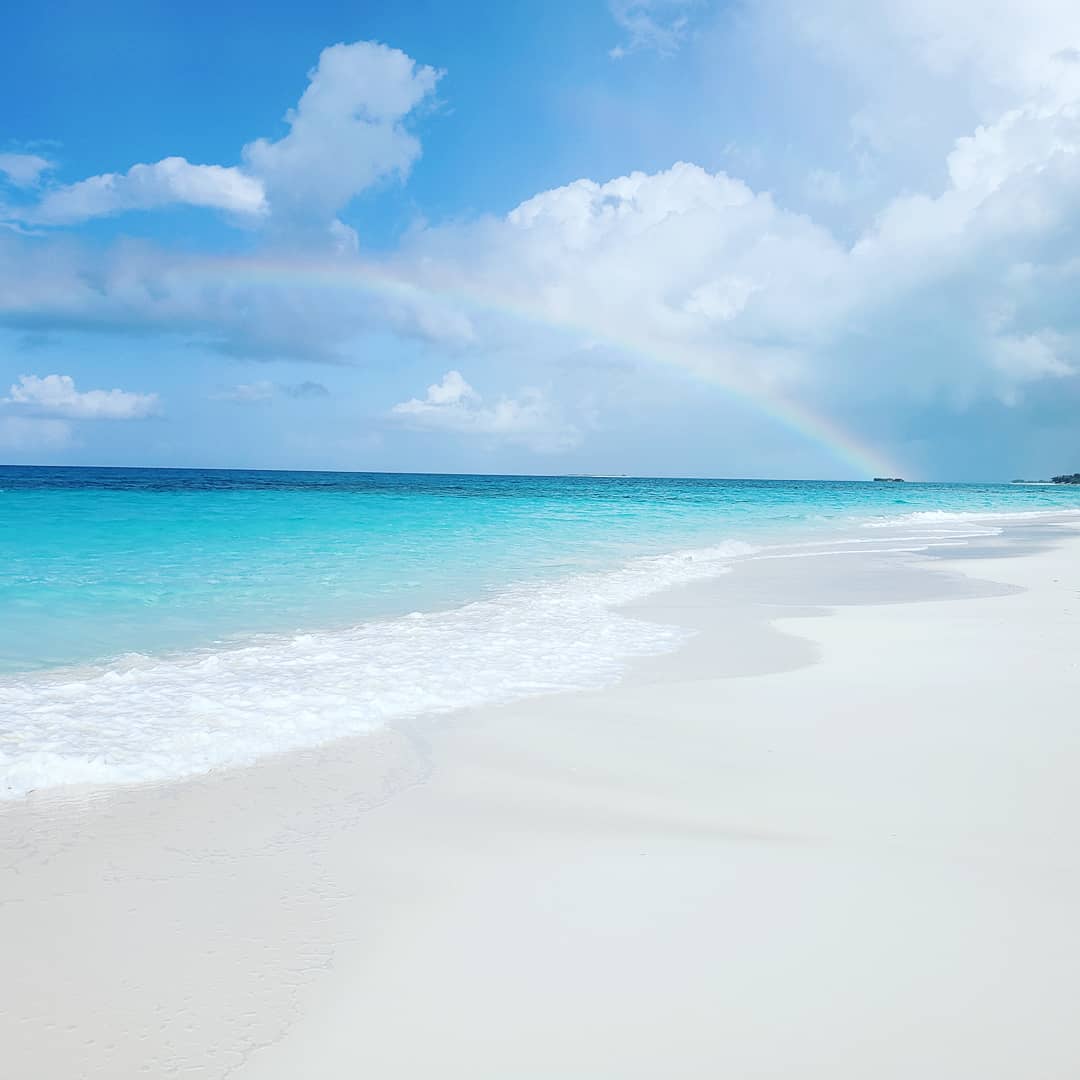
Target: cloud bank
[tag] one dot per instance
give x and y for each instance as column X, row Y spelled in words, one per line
column 952, row 289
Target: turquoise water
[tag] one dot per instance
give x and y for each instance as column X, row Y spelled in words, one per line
column 160, row 623
column 101, row 562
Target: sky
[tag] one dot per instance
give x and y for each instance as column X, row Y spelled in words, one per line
column 652, row 237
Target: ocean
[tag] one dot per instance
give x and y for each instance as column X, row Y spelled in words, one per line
column 157, row 623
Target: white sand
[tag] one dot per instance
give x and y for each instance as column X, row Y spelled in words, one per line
column 843, row 845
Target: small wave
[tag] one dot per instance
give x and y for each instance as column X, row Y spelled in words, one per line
column 973, row 518
column 145, row 718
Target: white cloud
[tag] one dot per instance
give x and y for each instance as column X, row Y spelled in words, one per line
column 55, row 395
column 453, row 390
column 1033, row 356
column 150, row 187
column 134, row 286
column 660, row 25
column 920, row 72
column 24, row 433
column 683, row 265
column 452, row 405
column 962, row 286
column 993, row 45
column 346, row 132
column 24, row 170
column 1014, row 177
column 686, row 267
column 698, row 270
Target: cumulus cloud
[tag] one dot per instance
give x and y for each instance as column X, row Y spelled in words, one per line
column 56, row 395
column 917, row 74
column 660, row 25
column 151, row 187
column 452, row 405
column 453, row 390
column 346, row 132
column 960, row 287
column 698, row 270
column 686, row 266
column 24, row 170
column 683, row 266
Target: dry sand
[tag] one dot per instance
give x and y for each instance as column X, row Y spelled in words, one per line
column 837, row 836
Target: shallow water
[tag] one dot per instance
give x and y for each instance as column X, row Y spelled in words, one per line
column 155, row 623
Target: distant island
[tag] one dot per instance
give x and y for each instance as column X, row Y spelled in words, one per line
column 888, row 480
column 1065, row 478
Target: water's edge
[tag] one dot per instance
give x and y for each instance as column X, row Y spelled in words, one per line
column 205, row 709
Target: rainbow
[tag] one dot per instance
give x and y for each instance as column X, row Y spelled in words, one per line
column 375, row 279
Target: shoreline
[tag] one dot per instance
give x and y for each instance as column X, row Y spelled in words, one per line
column 816, row 840
column 243, row 700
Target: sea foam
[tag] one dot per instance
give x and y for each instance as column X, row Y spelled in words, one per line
column 990, row 521
column 157, row 717
column 144, row 718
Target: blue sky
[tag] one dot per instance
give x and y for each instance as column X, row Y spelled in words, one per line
column 644, row 236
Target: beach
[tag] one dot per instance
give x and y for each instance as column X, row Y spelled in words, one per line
column 540, row 542
column 834, row 835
